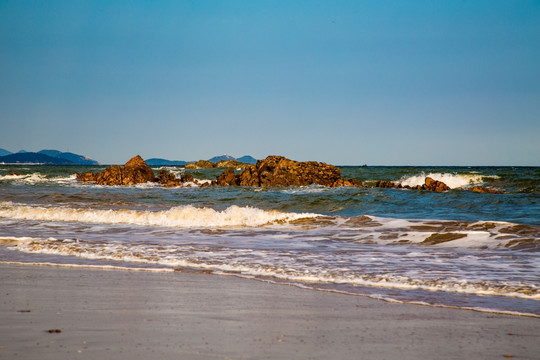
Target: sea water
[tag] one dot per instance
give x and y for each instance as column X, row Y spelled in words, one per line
column 458, row 248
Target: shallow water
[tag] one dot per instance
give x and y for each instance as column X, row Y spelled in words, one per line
column 458, row 248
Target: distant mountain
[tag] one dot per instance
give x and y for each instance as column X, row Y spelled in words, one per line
column 4, row 152
column 246, row 159
column 165, row 162
column 219, row 158
column 74, row 158
column 33, row 158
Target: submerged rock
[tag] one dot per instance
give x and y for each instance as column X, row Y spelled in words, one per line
column 385, row 184
column 482, row 189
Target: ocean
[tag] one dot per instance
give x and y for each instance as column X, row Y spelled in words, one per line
column 457, row 249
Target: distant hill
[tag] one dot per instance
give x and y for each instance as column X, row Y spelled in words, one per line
column 165, row 162
column 53, row 157
column 246, row 159
column 33, row 158
column 74, row 158
column 219, row 158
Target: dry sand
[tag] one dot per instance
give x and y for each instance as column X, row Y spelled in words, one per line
column 106, row 314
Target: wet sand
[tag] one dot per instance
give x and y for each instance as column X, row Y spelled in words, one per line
column 70, row 313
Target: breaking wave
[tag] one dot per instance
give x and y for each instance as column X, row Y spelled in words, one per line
column 35, row 178
column 452, row 180
column 181, row 216
column 279, row 265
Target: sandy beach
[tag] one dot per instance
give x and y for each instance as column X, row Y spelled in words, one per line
column 73, row 313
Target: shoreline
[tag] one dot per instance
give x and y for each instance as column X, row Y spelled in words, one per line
column 269, row 281
column 141, row 314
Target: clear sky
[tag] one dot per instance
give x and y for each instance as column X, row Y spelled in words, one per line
column 345, row 82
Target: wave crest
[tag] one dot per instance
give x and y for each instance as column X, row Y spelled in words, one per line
column 182, row 216
column 35, row 178
column 452, row 180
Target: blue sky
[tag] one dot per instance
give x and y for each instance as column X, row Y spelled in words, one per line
column 345, row 82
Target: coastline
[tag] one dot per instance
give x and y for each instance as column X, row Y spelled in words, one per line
column 131, row 314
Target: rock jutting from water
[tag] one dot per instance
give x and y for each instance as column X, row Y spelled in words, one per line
column 280, row 171
column 430, row 184
column 433, row 185
column 274, row 171
column 207, row 164
column 135, row 171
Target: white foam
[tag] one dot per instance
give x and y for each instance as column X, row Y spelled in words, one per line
column 452, row 180
column 310, row 189
column 174, row 256
column 14, row 240
column 88, row 266
column 182, row 216
column 472, row 235
column 37, row 177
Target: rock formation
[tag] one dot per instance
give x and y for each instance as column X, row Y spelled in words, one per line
column 227, row 178
column 481, row 189
column 435, row 185
column 168, row 180
column 280, row 171
column 207, row 164
column 201, row 164
column 430, row 184
column 229, row 164
column 272, row 171
column 386, row 184
column 135, row 171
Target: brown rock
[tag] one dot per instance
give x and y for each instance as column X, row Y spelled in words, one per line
column 227, row 178
column 280, row 171
column 168, row 180
column 135, row 171
column 187, row 177
column 249, row 177
column 201, row 164
column 435, row 185
column 385, row 184
column 110, row 176
column 86, row 177
column 481, row 189
column 430, row 184
column 347, row 182
column 229, row 163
